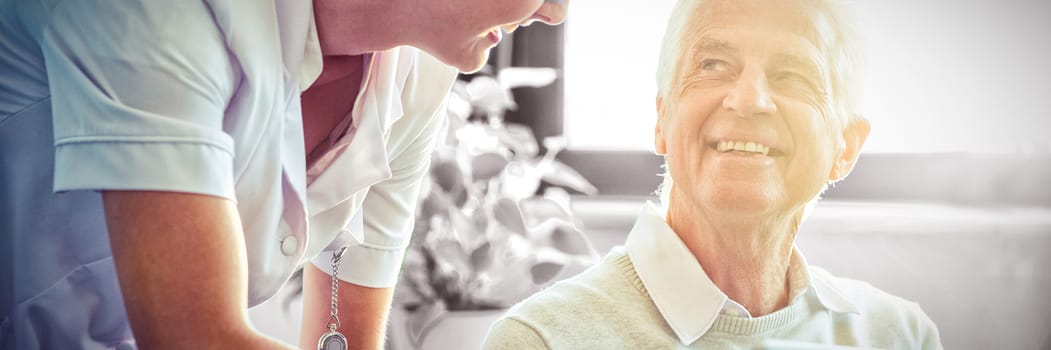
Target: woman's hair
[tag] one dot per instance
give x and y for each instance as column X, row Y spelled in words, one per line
column 835, row 24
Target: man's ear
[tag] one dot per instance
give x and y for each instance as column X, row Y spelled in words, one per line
column 854, row 136
column 658, row 135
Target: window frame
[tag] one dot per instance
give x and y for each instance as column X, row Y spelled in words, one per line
column 958, row 178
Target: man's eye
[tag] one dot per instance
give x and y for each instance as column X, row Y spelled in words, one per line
column 796, row 81
column 793, row 77
column 714, row 65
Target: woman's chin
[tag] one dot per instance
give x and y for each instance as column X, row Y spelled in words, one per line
column 473, row 62
column 468, row 56
column 467, row 59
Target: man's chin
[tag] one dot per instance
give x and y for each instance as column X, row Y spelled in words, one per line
column 741, row 202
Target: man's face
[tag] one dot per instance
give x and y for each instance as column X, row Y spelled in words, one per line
column 471, row 27
column 749, row 126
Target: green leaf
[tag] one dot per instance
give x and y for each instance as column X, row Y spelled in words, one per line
column 486, row 94
column 545, row 271
column 506, row 213
column 480, row 219
column 561, row 174
column 447, row 175
column 434, row 204
column 513, row 77
column 487, row 165
column 519, row 138
column 482, row 257
column 422, row 320
column 451, row 252
column 570, row 240
column 468, row 229
column 521, row 180
column 539, row 209
column 510, row 279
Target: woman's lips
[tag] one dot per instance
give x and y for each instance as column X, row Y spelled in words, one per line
column 542, row 18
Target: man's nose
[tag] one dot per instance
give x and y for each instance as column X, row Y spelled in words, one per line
column 552, row 12
column 750, row 96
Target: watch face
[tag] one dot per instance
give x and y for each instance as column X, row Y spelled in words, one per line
column 332, row 341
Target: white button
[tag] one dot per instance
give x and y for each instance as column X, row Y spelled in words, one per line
column 289, row 245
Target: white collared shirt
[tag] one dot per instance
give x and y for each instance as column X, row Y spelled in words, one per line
column 686, row 297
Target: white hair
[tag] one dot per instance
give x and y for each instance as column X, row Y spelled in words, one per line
column 839, row 38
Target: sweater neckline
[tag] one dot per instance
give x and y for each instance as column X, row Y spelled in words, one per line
column 726, row 324
column 745, row 326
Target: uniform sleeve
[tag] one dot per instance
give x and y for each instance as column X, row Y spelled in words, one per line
column 388, row 213
column 510, row 334
column 138, row 93
column 389, row 208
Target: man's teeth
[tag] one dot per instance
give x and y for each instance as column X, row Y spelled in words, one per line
column 743, row 146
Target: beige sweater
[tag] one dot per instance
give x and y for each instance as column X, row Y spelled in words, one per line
column 608, row 307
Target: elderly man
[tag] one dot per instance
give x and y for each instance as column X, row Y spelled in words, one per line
column 757, row 113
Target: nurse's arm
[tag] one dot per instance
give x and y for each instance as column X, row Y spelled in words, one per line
column 389, row 212
column 181, row 263
column 389, row 215
column 362, row 311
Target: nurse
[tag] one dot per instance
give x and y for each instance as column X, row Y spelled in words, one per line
column 166, row 164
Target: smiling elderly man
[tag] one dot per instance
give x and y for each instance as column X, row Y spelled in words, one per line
column 757, row 113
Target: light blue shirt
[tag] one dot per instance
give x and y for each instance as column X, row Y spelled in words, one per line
column 198, row 97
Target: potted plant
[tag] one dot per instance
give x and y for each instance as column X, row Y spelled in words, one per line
column 484, row 238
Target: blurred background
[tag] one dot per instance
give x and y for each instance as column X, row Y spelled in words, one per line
column 549, row 159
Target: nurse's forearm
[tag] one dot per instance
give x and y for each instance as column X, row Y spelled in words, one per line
column 362, row 311
column 182, row 267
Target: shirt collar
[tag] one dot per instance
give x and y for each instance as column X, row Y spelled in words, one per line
column 687, row 299
column 831, row 297
column 310, row 68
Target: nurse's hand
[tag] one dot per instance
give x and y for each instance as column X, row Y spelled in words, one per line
column 182, row 268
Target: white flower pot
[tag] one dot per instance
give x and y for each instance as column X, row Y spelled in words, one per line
column 454, row 330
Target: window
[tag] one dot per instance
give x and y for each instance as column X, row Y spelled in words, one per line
column 942, row 76
column 956, row 94
column 610, row 73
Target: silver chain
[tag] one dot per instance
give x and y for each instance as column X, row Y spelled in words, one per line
column 333, row 318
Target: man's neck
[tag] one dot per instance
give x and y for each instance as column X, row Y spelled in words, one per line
column 355, row 27
column 747, row 259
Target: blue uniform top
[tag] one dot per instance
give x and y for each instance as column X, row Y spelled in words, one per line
column 198, row 97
